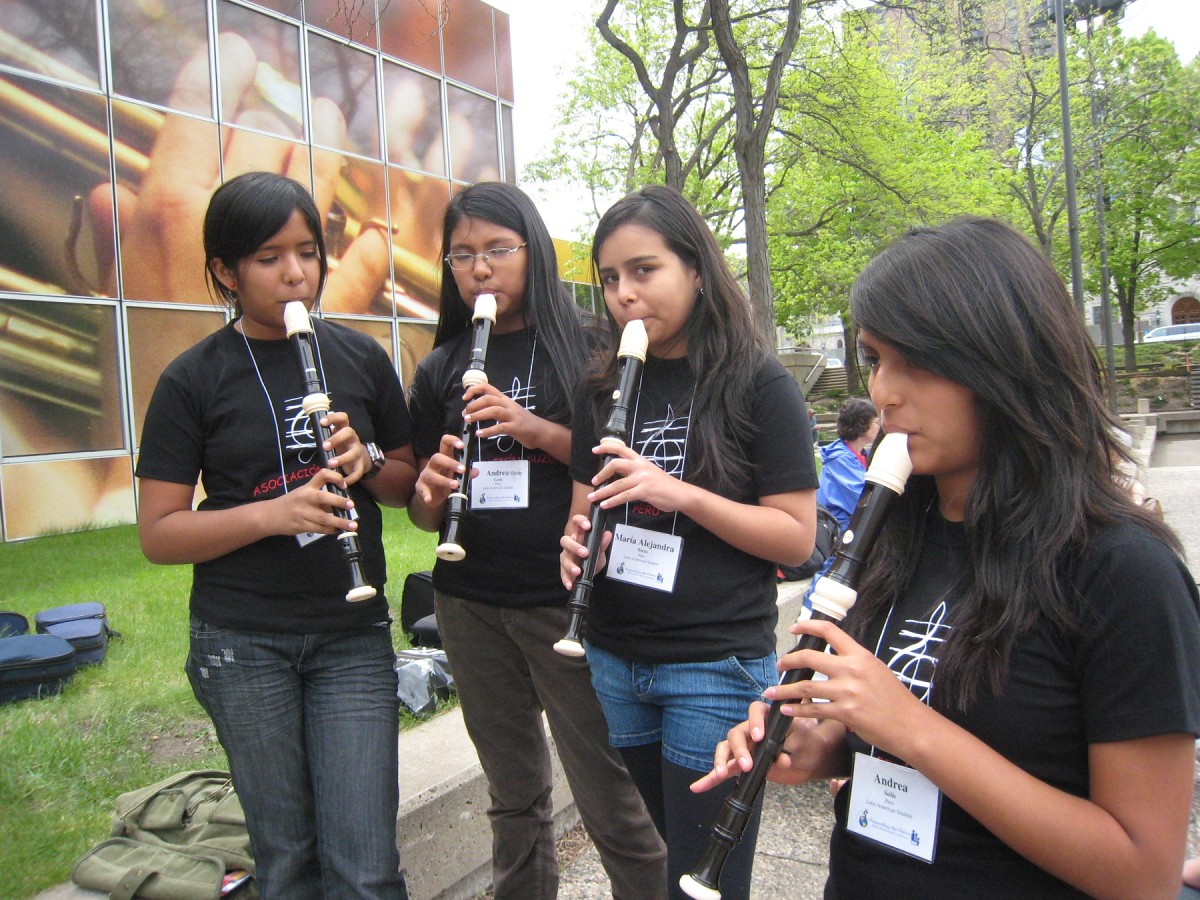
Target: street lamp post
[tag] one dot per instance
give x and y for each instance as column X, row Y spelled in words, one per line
column 1102, row 235
column 1087, row 9
column 1068, row 156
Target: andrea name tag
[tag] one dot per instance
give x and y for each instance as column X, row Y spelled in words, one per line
column 501, row 484
column 895, row 806
column 643, row 557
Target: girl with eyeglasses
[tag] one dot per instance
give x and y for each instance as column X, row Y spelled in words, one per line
column 501, row 608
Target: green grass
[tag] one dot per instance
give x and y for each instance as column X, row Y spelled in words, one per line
column 123, row 724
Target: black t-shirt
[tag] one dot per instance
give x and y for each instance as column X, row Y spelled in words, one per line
column 723, row 602
column 512, row 554
column 210, row 418
column 1131, row 670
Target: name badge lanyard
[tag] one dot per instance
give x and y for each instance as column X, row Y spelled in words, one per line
column 502, row 482
column 662, row 443
column 305, row 537
column 887, row 623
column 893, row 804
column 517, row 396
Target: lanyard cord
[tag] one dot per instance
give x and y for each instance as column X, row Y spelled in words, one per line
column 517, row 399
column 666, row 424
column 271, row 405
column 270, row 410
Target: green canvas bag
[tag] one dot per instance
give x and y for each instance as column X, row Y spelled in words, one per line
column 173, row 840
column 124, row 869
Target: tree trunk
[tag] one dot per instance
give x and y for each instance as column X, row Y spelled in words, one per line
column 754, row 118
column 850, row 341
column 758, row 253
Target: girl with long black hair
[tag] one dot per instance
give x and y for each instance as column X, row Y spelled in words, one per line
column 1016, row 692
column 299, row 683
column 717, row 485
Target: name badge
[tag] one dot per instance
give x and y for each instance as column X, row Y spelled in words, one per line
column 643, row 557
column 501, row 484
column 305, row 538
column 895, row 806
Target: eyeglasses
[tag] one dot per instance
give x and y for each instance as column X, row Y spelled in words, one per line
column 462, row 262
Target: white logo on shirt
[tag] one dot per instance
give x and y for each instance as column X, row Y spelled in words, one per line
column 299, row 431
column 526, row 395
column 914, row 663
column 663, row 441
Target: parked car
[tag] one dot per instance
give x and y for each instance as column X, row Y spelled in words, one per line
column 1189, row 331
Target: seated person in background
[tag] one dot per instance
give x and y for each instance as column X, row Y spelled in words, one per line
column 844, row 461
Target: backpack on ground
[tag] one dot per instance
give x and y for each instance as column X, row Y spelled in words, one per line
column 828, row 532
column 34, row 666
column 173, row 840
column 417, row 617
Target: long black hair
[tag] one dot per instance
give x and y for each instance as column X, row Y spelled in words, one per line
column 549, row 308
column 725, row 348
column 247, row 210
column 975, row 302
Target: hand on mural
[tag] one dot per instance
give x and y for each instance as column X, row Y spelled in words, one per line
column 160, row 223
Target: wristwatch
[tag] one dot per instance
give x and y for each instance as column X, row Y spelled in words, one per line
column 378, row 460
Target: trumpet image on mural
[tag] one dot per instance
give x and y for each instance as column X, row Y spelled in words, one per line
column 167, row 163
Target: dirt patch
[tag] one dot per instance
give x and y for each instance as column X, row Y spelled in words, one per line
column 1164, row 393
column 183, row 743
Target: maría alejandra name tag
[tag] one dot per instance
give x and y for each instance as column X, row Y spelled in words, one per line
column 501, row 484
column 643, row 557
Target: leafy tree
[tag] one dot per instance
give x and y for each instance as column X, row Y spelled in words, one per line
column 649, row 106
column 852, row 129
column 1147, row 122
column 755, row 100
column 692, row 104
column 861, row 177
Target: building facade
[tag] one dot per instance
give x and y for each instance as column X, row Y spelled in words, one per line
column 117, row 120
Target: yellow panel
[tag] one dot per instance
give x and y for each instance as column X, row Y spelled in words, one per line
column 574, row 262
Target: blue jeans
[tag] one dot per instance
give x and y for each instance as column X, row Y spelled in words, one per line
column 688, row 707
column 666, row 719
column 309, row 723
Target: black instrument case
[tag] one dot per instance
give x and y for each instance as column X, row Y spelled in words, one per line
column 34, row 665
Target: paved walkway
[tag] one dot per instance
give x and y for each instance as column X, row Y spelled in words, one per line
column 793, row 842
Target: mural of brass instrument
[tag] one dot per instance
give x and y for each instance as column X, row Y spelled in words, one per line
column 68, row 133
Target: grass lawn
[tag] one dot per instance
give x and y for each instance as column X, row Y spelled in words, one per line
column 123, row 724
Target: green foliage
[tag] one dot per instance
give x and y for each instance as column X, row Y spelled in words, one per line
column 858, row 179
column 1174, row 355
column 122, row 724
column 893, row 116
column 612, row 139
column 1146, row 121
